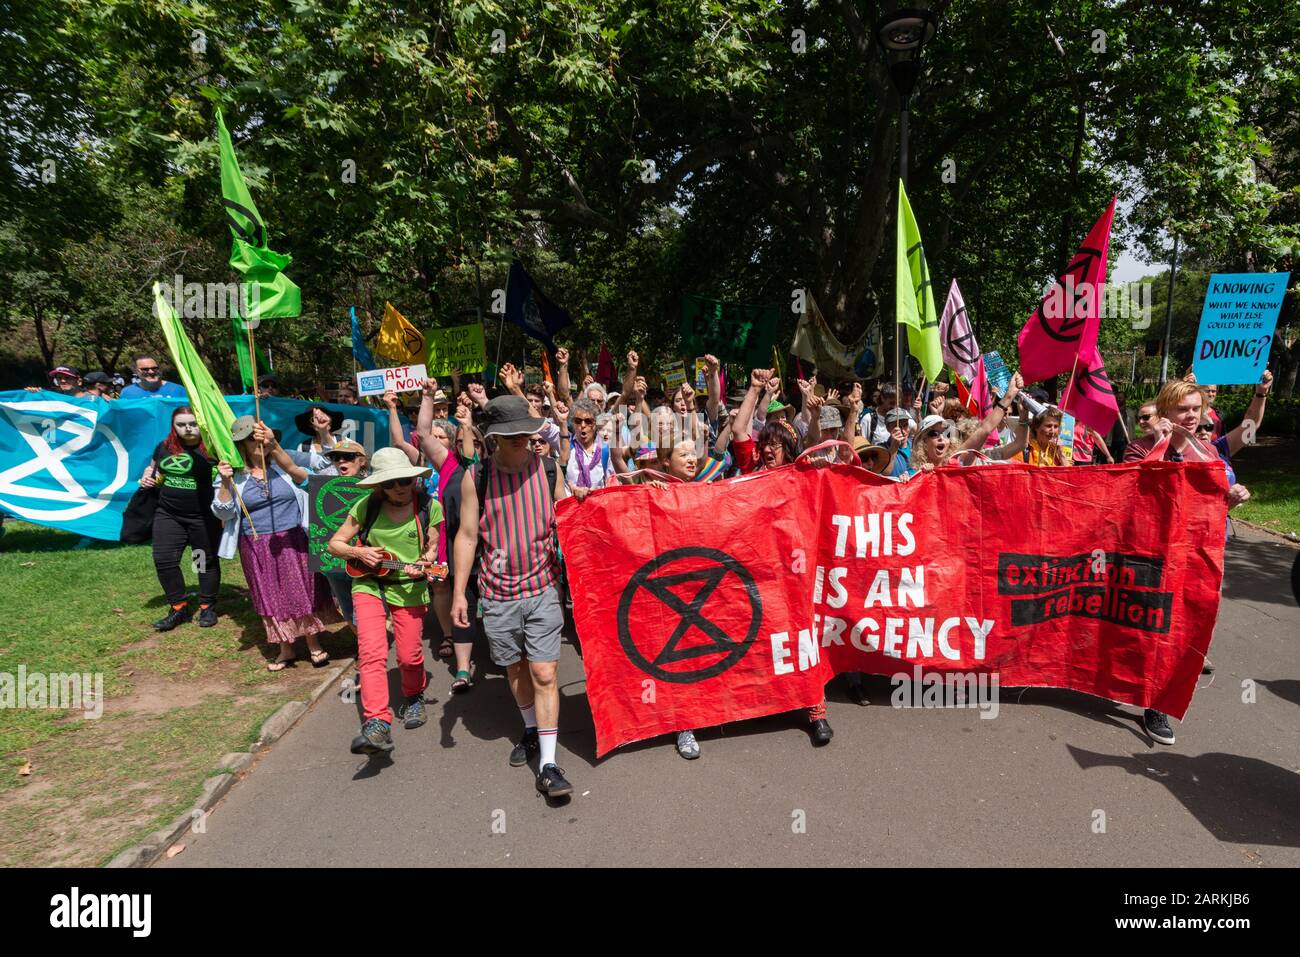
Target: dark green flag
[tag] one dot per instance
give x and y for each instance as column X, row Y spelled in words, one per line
column 729, row 330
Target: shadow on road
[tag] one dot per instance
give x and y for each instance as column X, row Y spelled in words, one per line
column 1288, row 689
column 1258, row 571
column 1237, row 799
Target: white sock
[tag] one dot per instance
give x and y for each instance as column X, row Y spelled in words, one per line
column 546, row 737
column 530, row 718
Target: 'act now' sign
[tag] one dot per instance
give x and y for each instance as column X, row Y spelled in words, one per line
column 398, row 379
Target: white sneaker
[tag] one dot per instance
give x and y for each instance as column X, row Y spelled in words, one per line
column 687, row 746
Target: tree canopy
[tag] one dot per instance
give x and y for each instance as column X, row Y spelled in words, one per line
column 630, row 152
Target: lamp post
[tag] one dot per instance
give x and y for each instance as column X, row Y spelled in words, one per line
column 900, row 36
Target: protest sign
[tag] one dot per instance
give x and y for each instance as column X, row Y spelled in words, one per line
column 1066, row 438
column 1237, row 324
column 74, row 464
column 674, row 376
column 329, row 499
column 701, row 375
column 729, row 330
column 456, row 347
column 1105, row 581
column 398, row 379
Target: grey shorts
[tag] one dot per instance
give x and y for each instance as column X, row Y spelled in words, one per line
column 524, row 627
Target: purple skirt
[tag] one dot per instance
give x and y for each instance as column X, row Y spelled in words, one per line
column 291, row 600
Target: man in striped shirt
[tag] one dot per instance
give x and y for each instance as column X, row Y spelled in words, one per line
column 508, row 503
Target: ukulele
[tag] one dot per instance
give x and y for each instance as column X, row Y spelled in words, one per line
column 433, row 571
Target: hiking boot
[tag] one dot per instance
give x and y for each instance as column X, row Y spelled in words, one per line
column 1156, row 725
column 207, row 617
column 528, row 745
column 177, row 616
column 821, row 732
column 412, row 713
column 687, row 746
column 552, row 783
column 376, row 737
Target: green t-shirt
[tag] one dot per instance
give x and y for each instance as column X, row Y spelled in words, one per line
column 403, row 543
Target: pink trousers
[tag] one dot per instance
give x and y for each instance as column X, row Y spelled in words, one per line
column 372, row 652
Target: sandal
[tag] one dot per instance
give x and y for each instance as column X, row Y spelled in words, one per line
column 280, row 664
column 319, row 659
column 446, row 649
column 462, row 683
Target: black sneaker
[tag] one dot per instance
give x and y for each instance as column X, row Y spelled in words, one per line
column 177, row 616
column 552, row 783
column 1156, row 725
column 207, row 617
column 376, row 737
column 857, row 693
column 412, row 713
column 528, row 745
column 821, row 732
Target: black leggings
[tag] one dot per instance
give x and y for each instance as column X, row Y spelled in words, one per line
column 171, row 533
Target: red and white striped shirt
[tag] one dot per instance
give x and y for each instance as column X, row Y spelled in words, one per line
column 517, row 528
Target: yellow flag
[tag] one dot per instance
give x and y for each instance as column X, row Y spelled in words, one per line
column 399, row 341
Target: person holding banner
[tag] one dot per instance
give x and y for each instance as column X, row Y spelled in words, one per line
column 934, row 445
column 396, row 519
column 1044, row 440
column 263, row 508
column 181, row 470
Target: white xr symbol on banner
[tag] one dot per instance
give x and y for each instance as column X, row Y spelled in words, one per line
column 25, row 418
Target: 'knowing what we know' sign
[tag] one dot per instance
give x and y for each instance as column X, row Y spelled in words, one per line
column 1237, row 326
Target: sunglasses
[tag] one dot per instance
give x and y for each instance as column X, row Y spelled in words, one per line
column 344, row 456
column 145, row 370
column 1143, row 418
column 1205, row 428
column 396, row 483
column 584, row 421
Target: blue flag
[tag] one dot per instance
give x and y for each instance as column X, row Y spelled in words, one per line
column 359, row 350
column 529, row 309
column 74, row 464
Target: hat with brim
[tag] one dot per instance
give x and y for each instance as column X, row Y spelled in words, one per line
column 303, row 420
column 389, row 465
column 874, row 458
column 776, row 405
column 98, row 378
column 242, row 427
column 440, row 398
column 897, row 415
column 346, row 447
column 66, row 371
column 830, row 418
column 930, row 421
column 508, row 415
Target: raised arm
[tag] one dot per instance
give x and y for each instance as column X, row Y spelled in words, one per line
column 263, row 433
column 562, row 382
column 757, row 389
column 713, row 382
column 395, row 434
column 1254, row 414
column 997, row 415
column 629, row 378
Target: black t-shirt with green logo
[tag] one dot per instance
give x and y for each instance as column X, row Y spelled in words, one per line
column 184, row 481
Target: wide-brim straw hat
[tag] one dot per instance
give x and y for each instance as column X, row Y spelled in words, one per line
column 389, row 464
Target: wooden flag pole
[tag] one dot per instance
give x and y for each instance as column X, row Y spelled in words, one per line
column 1069, row 385
column 257, row 403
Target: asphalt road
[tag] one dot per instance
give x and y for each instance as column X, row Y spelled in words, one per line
column 896, row 787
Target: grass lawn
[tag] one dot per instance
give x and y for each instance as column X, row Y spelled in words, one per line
column 1271, row 470
column 174, row 703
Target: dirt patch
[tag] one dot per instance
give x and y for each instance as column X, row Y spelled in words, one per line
column 153, row 694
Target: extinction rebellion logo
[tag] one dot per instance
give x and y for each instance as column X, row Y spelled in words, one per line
column 689, row 614
column 1110, row 586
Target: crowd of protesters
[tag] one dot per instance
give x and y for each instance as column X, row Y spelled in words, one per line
column 460, row 515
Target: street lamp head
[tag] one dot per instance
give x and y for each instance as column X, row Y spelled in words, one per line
column 901, row 35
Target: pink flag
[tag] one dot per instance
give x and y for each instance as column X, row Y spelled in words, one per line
column 1090, row 397
column 960, row 350
column 1066, row 322
column 980, row 391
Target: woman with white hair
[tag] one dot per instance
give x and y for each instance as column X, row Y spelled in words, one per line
column 935, row 445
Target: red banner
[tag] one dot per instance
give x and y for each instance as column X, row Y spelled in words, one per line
column 1103, row 580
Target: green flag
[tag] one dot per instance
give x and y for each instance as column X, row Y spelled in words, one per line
column 268, row 292
column 913, row 293
column 210, row 407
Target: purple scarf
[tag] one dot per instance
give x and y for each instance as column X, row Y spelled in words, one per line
column 584, row 465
